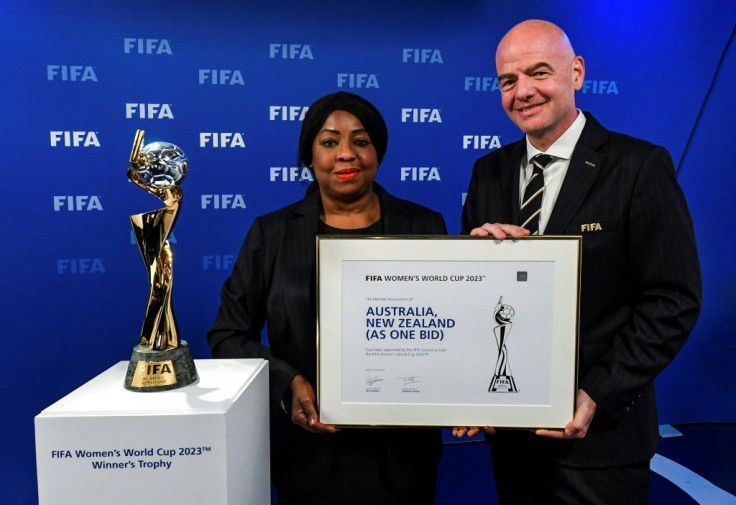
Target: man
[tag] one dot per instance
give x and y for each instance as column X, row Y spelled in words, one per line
column 640, row 280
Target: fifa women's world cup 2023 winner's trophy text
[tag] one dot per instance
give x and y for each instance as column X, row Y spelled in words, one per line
column 161, row 361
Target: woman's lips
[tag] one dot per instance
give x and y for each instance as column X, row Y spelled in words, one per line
column 347, row 175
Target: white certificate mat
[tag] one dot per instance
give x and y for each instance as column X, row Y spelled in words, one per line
column 447, row 331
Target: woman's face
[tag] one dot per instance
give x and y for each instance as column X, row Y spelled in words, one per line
column 344, row 159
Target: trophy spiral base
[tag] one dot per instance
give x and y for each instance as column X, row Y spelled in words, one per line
column 151, row 371
column 503, row 384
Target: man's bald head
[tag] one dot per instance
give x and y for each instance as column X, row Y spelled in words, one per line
column 539, row 73
column 537, row 32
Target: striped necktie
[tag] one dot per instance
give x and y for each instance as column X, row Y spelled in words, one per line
column 531, row 205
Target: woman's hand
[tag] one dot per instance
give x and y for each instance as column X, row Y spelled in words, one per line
column 304, row 407
column 470, row 431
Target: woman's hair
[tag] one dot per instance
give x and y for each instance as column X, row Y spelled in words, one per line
column 348, row 102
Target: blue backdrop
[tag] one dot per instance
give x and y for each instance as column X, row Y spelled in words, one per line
column 228, row 82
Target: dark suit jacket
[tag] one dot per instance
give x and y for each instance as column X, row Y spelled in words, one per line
column 273, row 282
column 640, row 284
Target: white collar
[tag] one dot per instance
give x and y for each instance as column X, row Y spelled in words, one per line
column 564, row 146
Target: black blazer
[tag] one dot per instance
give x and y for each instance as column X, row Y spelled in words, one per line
column 273, row 281
column 640, row 284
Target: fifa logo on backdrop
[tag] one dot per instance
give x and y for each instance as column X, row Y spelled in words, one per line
column 218, row 261
column 221, row 76
column 79, row 266
column 481, row 84
column 287, row 112
column 290, row 174
column 148, row 111
column 420, row 174
column 290, row 51
column 221, row 139
column 146, row 46
column 74, row 73
column 600, row 87
column 357, row 81
column 76, row 203
column 421, row 55
column 74, row 138
column 420, row 115
column 223, row 202
column 481, row 142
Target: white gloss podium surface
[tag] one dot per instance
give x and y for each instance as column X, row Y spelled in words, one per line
column 203, row 443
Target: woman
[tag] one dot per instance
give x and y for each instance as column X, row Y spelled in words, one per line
column 342, row 141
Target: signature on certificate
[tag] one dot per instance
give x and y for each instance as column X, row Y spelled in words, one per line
column 412, row 379
column 370, row 381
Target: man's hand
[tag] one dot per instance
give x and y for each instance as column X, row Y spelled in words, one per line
column 499, row 231
column 578, row 427
column 304, row 407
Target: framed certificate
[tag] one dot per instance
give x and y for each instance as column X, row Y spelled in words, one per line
column 447, row 330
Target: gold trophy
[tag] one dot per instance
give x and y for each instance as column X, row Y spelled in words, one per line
column 161, row 361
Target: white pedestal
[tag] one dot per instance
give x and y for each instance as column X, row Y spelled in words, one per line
column 206, row 443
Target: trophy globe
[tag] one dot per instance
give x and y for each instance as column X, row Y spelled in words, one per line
column 161, row 165
column 504, row 314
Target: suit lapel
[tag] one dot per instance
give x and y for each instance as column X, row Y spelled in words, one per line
column 299, row 251
column 585, row 167
column 395, row 221
column 509, row 181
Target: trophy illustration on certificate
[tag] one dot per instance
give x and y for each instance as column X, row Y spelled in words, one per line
column 161, row 361
column 503, row 381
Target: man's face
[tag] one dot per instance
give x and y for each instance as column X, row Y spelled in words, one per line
column 538, row 74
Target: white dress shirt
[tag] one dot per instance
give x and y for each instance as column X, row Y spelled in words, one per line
column 554, row 173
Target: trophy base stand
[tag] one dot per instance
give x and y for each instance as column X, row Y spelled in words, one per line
column 151, row 371
column 503, row 384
